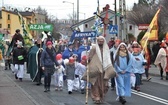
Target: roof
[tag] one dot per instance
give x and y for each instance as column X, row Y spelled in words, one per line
column 22, row 13
column 89, row 19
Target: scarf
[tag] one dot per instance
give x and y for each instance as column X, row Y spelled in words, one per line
column 50, row 53
column 122, row 53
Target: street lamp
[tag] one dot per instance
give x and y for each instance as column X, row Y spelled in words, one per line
column 73, row 8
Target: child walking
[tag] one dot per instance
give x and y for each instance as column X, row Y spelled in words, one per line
column 58, row 75
column 70, row 73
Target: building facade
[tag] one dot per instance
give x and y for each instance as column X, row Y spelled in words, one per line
column 9, row 20
column 86, row 25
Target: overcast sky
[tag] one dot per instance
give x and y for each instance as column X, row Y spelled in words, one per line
column 61, row 10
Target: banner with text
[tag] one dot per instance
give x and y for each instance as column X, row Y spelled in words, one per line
column 82, row 35
column 43, row 27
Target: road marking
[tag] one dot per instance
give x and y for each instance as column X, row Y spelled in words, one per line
column 154, row 98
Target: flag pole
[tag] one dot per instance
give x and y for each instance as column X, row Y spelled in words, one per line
column 87, row 68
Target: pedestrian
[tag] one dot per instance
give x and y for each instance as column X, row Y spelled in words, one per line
column 17, row 37
column 111, row 42
column 19, row 57
column 112, row 52
column 138, row 66
column 69, row 51
column 79, row 72
column 58, row 76
column 70, row 74
column 39, row 71
column 48, row 64
column 162, row 60
column 34, row 63
column 155, row 49
column 122, row 63
column 100, row 69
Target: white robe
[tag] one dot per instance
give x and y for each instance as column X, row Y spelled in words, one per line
column 161, row 58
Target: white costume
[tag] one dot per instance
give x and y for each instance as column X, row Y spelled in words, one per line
column 19, row 70
column 58, row 76
column 80, row 70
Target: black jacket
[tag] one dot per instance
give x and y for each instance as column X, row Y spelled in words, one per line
column 18, row 52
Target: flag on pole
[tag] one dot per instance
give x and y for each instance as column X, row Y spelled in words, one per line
column 25, row 28
column 151, row 34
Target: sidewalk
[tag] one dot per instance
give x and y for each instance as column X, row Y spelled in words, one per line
column 11, row 93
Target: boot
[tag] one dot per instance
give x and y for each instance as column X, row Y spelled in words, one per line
column 167, row 77
column 82, row 91
column 122, row 100
column 16, row 76
column 20, row 79
column 45, row 90
column 48, row 88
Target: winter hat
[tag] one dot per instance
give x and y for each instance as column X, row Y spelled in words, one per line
column 84, row 57
column 49, row 43
column 70, row 43
column 71, row 60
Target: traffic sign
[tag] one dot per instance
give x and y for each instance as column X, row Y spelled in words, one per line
column 43, row 27
column 113, row 29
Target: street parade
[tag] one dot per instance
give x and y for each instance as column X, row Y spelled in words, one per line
column 101, row 63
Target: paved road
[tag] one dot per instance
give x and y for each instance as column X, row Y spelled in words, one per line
column 152, row 93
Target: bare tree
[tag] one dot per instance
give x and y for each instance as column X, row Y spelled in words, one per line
column 73, row 18
column 50, row 20
column 142, row 13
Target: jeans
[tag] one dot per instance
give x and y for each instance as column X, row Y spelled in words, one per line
column 138, row 79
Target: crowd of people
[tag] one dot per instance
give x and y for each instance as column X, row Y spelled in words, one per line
column 119, row 63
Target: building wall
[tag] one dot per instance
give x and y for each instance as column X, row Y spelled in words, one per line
column 134, row 30
column 15, row 24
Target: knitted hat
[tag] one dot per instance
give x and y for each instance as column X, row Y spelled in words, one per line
column 49, row 43
column 71, row 60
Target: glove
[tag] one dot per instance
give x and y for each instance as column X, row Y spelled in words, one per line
column 76, row 76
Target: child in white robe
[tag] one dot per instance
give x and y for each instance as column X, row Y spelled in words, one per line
column 79, row 72
column 59, row 78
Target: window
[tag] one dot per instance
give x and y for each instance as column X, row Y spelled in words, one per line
column 130, row 27
column 8, row 26
column 0, row 25
column 86, row 25
column 8, row 16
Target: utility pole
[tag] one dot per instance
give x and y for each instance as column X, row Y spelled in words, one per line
column 77, row 10
column 123, row 26
column 125, row 20
column 120, row 35
column 115, row 9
